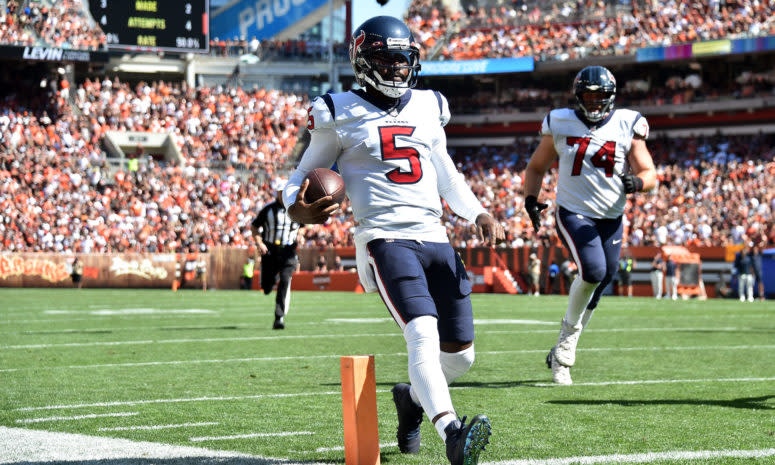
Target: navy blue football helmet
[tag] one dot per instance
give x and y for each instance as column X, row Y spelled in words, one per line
column 600, row 82
column 381, row 49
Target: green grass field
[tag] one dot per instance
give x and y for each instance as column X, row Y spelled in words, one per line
column 656, row 381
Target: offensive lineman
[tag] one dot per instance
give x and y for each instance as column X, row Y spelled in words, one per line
column 389, row 144
column 594, row 144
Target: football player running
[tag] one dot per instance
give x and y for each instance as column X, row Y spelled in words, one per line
column 595, row 144
column 389, row 145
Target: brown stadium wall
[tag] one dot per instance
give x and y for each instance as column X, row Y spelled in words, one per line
column 224, row 266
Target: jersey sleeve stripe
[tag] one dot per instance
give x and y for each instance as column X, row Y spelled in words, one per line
column 330, row 104
column 438, row 99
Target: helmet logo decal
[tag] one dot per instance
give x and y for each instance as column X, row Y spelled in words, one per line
column 356, row 45
column 398, row 42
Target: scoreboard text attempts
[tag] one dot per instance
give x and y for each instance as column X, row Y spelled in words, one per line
column 170, row 25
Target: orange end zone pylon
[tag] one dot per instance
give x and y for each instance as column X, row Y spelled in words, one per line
column 359, row 408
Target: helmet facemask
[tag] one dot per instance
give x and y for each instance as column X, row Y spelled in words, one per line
column 595, row 104
column 391, row 69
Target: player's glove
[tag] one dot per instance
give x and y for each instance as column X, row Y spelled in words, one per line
column 533, row 208
column 632, row 183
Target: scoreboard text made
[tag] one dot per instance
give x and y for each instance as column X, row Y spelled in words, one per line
column 154, row 25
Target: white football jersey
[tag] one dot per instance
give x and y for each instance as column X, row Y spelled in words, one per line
column 394, row 162
column 592, row 159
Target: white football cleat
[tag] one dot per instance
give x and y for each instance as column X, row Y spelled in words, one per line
column 560, row 373
column 565, row 350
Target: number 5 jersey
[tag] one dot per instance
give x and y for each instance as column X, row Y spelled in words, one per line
column 394, row 162
column 592, row 159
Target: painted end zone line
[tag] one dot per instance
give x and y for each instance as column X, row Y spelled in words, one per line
column 42, row 447
column 647, row 457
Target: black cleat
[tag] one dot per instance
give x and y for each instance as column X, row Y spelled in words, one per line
column 549, row 358
column 409, row 419
column 466, row 442
column 278, row 324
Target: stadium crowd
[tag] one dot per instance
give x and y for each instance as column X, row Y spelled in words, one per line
column 713, row 190
column 673, row 90
column 561, row 32
column 57, row 193
column 250, row 129
column 63, row 24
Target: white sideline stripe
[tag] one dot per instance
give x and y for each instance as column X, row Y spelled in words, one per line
column 646, row 457
column 399, row 354
column 250, row 435
column 379, row 391
column 324, row 336
column 77, row 417
column 662, row 381
column 41, row 447
column 153, row 427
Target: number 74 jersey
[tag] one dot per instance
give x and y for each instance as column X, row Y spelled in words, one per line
column 592, row 159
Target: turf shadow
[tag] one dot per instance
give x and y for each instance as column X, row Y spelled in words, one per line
column 751, row 403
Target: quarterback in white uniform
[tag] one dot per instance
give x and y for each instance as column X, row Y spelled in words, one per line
column 389, row 145
column 602, row 157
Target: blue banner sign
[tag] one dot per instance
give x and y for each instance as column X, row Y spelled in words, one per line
column 487, row 66
column 260, row 18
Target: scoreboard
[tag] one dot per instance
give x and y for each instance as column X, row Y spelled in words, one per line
column 154, row 25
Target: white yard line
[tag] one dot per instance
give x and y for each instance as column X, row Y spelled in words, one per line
column 155, row 427
column 250, row 435
column 331, row 393
column 133, row 311
column 648, row 457
column 194, row 340
column 77, row 417
column 179, row 400
column 114, row 317
column 327, row 336
column 398, row 354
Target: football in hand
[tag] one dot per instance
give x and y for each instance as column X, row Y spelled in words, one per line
column 323, row 182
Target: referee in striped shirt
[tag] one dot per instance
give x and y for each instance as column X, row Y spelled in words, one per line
column 276, row 237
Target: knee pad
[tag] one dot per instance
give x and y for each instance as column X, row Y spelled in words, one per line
column 429, row 387
column 422, row 340
column 456, row 364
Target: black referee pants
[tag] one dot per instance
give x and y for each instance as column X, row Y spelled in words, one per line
column 278, row 262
